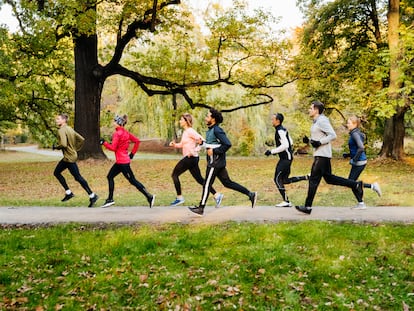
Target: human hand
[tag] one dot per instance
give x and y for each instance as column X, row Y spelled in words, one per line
column 305, row 139
column 315, row 143
column 346, row 155
column 131, row 155
column 101, row 141
column 267, row 153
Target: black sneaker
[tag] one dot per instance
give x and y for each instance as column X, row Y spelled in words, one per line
column 68, row 197
column 253, row 198
column 151, row 201
column 108, row 203
column 93, row 200
column 304, row 209
column 197, row 210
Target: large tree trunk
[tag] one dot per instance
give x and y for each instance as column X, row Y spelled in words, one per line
column 394, row 133
column 88, row 90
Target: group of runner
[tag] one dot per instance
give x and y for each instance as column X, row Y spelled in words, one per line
column 216, row 145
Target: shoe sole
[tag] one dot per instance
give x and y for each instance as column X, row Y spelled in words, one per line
column 254, row 200
column 108, row 204
column 218, row 204
column 152, row 201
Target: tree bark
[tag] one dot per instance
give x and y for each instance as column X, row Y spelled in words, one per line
column 88, row 89
column 393, row 140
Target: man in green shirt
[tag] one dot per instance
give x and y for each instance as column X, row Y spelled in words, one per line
column 70, row 142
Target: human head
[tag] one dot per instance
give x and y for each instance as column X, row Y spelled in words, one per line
column 120, row 121
column 214, row 117
column 353, row 122
column 316, row 108
column 277, row 119
column 61, row 118
column 186, row 120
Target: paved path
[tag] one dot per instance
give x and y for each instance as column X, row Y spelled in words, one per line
column 166, row 214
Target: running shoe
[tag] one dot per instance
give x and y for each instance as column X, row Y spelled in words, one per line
column 284, row 204
column 304, row 209
column 360, row 205
column 68, row 197
column 197, row 210
column 177, row 201
column 376, row 187
column 219, row 199
column 108, row 203
column 253, row 198
column 93, row 200
column 151, row 201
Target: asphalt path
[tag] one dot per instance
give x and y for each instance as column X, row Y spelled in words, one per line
column 180, row 214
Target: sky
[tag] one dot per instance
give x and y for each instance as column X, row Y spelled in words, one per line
column 286, row 9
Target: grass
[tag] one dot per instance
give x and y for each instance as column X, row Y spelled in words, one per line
column 232, row 266
column 285, row 266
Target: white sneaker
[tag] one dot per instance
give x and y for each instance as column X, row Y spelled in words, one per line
column 219, row 199
column 284, row 204
column 375, row 186
column 360, row 205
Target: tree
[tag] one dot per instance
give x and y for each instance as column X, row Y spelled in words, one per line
column 138, row 22
column 354, row 66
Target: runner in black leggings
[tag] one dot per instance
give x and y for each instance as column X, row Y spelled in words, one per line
column 120, row 144
column 190, row 147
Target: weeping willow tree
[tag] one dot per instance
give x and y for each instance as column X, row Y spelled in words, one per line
column 235, row 63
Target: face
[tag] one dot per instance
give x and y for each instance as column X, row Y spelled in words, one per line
column 183, row 122
column 313, row 111
column 209, row 120
column 275, row 121
column 351, row 125
column 60, row 121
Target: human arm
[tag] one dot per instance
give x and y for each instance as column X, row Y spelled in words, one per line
column 136, row 142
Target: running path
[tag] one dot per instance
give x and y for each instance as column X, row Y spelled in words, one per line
column 166, row 214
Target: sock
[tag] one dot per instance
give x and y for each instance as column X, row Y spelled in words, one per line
column 92, row 195
column 68, row 191
column 180, row 197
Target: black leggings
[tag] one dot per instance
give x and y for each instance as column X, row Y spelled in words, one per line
column 223, row 176
column 321, row 167
column 74, row 170
column 281, row 177
column 188, row 164
column 125, row 169
column 356, row 170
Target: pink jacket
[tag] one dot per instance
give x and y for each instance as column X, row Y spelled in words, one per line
column 120, row 145
column 189, row 142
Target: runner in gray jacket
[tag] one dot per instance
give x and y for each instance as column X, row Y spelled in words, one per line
column 322, row 133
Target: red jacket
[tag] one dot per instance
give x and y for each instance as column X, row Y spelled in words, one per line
column 120, row 145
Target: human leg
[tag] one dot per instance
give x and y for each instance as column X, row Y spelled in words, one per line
column 282, row 172
column 129, row 175
column 196, row 173
column 74, row 170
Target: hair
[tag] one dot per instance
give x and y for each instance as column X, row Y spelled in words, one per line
column 64, row 116
column 216, row 115
column 317, row 104
column 354, row 119
column 121, row 121
column 279, row 117
column 188, row 118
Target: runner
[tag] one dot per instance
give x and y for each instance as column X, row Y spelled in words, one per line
column 120, row 144
column 70, row 142
column 216, row 162
column 357, row 152
column 322, row 134
column 285, row 151
column 190, row 148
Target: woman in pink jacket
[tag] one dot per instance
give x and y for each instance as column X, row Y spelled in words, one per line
column 190, row 141
column 120, row 144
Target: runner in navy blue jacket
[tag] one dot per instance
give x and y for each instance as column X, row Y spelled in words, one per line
column 357, row 152
column 216, row 161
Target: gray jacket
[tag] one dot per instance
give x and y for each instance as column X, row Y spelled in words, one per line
column 322, row 130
